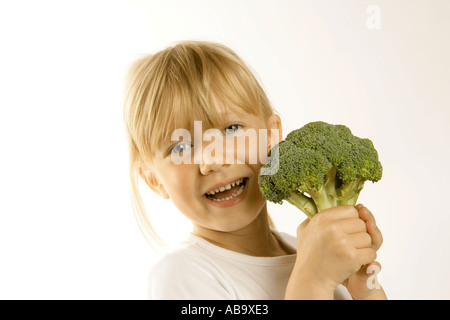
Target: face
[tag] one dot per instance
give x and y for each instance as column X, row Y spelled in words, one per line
column 214, row 194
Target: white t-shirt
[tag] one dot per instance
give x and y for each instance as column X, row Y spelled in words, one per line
column 198, row 269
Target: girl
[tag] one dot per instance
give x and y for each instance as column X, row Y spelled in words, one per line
column 233, row 251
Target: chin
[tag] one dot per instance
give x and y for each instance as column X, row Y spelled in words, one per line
column 243, row 218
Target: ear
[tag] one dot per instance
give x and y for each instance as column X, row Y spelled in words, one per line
column 152, row 181
column 274, row 123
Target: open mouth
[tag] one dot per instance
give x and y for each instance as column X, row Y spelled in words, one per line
column 228, row 191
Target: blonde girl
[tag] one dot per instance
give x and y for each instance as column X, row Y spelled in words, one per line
column 233, row 251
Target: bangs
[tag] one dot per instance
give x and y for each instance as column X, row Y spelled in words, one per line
column 192, row 81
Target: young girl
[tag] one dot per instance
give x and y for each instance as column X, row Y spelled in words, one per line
column 233, row 251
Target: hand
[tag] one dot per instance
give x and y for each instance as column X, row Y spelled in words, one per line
column 331, row 246
column 363, row 285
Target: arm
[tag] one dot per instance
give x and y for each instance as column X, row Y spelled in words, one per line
column 303, row 287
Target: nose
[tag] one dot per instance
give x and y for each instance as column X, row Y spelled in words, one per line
column 209, row 165
column 213, row 154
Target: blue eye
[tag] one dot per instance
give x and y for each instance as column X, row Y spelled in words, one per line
column 232, row 129
column 182, row 146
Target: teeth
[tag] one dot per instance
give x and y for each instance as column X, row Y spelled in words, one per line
column 225, row 187
column 234, row 195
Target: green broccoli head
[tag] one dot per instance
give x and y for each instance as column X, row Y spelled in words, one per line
column 320, row 166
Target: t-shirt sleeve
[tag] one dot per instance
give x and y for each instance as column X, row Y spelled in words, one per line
column 182, row 277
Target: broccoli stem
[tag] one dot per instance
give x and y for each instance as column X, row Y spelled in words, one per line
column 348, row 193
column 326, row 196
column 303, row 202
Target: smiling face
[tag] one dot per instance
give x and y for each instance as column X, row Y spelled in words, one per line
column 216, row 195
column 170, row 89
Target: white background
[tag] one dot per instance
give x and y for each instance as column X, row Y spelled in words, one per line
column 67, row 229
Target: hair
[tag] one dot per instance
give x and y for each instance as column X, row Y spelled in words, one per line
column 164, row 91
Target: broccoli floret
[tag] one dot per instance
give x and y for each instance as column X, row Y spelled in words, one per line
column 320, row 166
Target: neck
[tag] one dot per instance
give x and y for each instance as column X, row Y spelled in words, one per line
column 255, row 239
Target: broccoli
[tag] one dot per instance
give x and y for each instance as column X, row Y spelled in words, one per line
column 320, row 166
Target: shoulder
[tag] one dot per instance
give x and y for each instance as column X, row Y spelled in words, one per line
column 176, row 264
column 186, row 273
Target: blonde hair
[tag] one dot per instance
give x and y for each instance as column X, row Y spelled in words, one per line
column 167, row 89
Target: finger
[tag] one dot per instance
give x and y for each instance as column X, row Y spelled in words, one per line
column 365, row 213
column 375, row 233
column 361, row 240
column 341, row 212
column 372, row 229
column 373, row 265
column 353, row 225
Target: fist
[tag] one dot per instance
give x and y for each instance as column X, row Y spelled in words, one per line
column 333, row 245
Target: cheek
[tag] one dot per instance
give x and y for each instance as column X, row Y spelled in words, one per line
column 251, row 147
column 255, row 192
column 175, row 179
column 182, row 194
